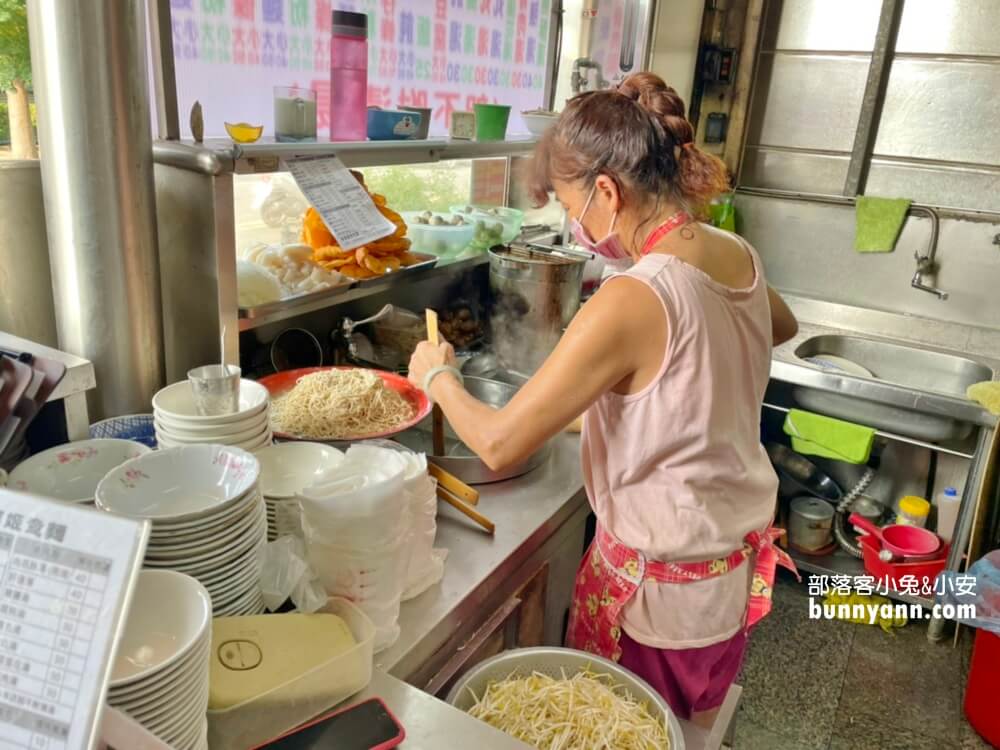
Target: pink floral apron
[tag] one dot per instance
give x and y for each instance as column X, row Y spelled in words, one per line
column 611, row 573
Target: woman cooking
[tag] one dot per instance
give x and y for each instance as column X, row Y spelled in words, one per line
column 668, row 362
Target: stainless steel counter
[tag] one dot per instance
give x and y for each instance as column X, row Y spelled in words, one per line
column 526, row 511
column 432, row 724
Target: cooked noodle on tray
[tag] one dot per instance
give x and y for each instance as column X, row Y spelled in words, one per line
column 340, row 404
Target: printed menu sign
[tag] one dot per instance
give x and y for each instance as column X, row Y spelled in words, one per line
column 347, row 209
column 66, row 573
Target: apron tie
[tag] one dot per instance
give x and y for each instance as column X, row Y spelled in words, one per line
column 611, row 573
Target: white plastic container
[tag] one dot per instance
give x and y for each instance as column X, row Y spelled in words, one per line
column 284, row 707
column 948, row 503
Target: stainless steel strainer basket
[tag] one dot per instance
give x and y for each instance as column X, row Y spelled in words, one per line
column 556, row 662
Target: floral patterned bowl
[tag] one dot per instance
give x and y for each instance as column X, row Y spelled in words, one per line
column 71, row 472
column 185, row 483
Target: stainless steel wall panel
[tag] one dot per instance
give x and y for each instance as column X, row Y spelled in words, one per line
column 948, row 186
column 828, row 25
column 808, row 101
column 943, row 110
column 800, row 171
column 807, row 249
column 950, row 27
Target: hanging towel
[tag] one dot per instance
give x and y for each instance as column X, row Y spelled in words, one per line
column 816, row 435
column 877, row 223
column 987, row 394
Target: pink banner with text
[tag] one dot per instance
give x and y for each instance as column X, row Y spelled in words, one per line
column 444, row 54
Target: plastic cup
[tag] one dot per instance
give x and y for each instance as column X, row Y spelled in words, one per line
column 294, row 114
column 216, row 389
column 491, row 121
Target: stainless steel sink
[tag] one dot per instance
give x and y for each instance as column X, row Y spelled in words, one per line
column 921, row 370
column 903, row 365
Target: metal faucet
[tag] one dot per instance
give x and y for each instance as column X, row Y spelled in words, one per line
column 926, row 265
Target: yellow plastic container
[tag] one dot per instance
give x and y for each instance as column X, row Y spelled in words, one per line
column 244, row 132
column 271, row 713
column 913, row 511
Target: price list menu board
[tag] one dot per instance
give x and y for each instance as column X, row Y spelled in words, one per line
column 66, row 575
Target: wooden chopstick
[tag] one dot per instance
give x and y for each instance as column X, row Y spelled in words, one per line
column 453, row 484
column 437, row 419
column 464, row 509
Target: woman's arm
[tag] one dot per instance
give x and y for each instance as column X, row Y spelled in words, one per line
column 600, row 349
column 784, row 326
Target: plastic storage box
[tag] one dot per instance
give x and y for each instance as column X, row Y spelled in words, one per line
column 510, row 218
column 286, row 706
column 442, row 239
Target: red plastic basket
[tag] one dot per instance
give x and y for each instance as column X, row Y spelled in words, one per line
column 983, row 686
column 925, row 571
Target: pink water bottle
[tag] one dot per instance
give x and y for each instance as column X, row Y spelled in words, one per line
column 349, row 77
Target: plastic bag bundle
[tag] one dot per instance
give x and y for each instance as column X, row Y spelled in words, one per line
column 356, row 527
column 978, row 587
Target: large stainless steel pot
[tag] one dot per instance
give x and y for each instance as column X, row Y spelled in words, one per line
column 561, row 662
column 534, row 297
column 458, row 459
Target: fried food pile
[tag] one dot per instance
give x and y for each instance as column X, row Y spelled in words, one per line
column 368, row 261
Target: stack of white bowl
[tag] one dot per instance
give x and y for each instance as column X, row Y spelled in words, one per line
column 72, row 471
column 160, row 675
column 208, row 518
column 286, row 469
column 179, row 423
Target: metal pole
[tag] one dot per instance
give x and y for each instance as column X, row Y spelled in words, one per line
column 161, row 41
column 89, row 67
column 874, row 97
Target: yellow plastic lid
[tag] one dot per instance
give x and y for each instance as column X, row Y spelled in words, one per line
column 912, row 505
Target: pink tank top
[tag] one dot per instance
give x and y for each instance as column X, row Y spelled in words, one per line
column 677, row 470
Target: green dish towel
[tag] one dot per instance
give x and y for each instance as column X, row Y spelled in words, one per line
column 878, row 222
column 816, row 435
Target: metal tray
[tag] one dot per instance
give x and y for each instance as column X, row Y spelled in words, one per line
column 261, row 311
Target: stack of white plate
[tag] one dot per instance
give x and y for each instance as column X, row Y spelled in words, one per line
column 160, row 675
column 178, row 422
column 208, row 517
column 285, row 470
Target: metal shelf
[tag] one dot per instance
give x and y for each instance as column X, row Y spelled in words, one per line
column 275, row 312
column 839, row 563
column 217, row 155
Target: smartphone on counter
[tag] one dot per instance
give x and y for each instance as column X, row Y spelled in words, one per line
column 368, row 725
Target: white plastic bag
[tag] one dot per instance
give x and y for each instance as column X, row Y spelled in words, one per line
column 426, row 565
column 356, row 527
column 285, row 574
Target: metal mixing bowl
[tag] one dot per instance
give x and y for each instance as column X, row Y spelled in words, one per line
column 458, row 459
column 556, row 662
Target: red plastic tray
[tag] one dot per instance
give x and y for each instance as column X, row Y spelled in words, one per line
column 284, row 381
column 925, row 571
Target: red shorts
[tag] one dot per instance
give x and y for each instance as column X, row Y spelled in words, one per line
column 691, row 679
